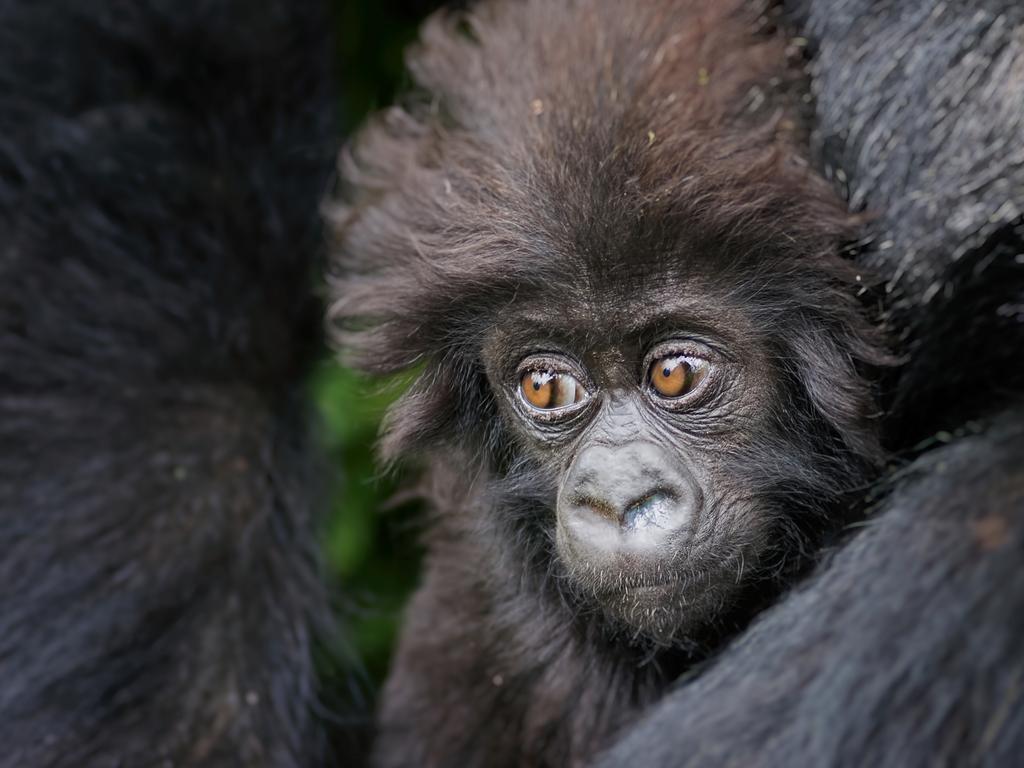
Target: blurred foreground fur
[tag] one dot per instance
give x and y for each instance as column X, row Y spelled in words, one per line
column 161, row 165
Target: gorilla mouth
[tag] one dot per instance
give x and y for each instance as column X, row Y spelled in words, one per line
column 624, row 584
column 632, row 574
column 633, row 592
column 661, row 595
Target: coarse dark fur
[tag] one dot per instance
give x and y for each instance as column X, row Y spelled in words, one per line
column 905, row 649
column 929, row 138
column 565, row 155
column 160, row 169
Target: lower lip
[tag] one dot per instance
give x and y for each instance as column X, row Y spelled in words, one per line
column 641, row 590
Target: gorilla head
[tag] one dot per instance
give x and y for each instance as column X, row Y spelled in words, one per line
column 638, row 345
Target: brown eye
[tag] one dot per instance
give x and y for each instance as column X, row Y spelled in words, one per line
column 550, row 390
column 672, row 376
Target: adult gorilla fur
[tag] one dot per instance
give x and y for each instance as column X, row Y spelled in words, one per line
column 905, row 648
column 161, row 165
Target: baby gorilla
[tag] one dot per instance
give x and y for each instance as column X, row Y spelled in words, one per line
column 640, row 387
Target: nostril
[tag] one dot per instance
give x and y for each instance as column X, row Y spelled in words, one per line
column 602, row 507
column 650, row 509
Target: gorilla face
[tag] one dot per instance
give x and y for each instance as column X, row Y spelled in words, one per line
column 673, row 433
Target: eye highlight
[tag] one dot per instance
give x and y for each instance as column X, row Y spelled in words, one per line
column 673, row 376
column 550, row 390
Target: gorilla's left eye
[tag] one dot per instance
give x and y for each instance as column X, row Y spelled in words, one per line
column 549, row 390
column 673, row 376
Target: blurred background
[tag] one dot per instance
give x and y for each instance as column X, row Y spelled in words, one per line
column 370, row 538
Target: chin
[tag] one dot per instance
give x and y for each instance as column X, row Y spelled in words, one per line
column 661, row 614
column 645, row 608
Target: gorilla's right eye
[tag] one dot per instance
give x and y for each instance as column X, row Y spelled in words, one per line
column 549, row 390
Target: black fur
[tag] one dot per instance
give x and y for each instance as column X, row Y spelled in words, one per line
column 160, row 169
column 905, row 649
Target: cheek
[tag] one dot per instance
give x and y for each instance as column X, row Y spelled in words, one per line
column 736, row 508
column 734, row 522
column 529, row 479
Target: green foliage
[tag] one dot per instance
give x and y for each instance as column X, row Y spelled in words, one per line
column 369, row 541
column 351, row 413
column 371, row 38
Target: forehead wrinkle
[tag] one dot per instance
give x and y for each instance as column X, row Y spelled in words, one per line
column 590, row 317
column 636, row 307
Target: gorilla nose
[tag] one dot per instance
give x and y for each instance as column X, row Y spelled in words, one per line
column 637, row 492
